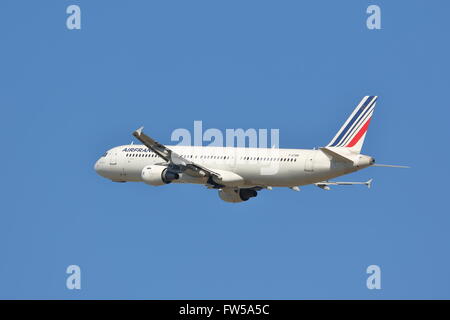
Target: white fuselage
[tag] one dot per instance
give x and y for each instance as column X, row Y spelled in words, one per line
column 257, row 166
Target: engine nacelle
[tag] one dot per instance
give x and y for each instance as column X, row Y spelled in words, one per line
column 236, row 195
column 158, row 175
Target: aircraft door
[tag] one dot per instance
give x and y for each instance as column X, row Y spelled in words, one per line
column 113, row 158
column 309, row 163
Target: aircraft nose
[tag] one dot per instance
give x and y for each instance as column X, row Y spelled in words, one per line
column 99, row 167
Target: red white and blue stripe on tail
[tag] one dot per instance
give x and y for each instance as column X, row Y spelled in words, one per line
column 352, row 133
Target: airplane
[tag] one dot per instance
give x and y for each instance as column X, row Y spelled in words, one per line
column 240, row 173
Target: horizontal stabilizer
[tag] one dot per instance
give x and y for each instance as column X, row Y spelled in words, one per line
column 326, row 184
column 339, row 154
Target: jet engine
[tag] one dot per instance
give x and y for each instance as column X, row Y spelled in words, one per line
column 236, row 195
column 158, row 175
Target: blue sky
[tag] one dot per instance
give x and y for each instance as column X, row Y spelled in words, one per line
column 299, row 66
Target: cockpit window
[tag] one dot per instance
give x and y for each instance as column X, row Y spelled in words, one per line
column 105, row 154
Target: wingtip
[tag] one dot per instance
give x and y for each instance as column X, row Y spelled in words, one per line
column 138, row 131
column 369, row 183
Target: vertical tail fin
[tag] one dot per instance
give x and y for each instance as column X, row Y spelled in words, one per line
column 352, row 133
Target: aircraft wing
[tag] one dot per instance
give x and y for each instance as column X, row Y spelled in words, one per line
column 174, row 159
